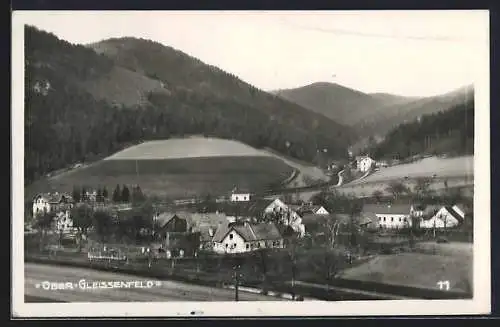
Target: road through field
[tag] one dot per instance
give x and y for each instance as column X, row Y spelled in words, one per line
column 159, row 290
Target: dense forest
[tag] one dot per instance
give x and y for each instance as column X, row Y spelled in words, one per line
column 66, row 124
column 450, row 132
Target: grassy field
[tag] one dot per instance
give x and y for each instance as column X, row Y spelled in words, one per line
column 174, row 178
column 180, row 168
column 452, row 262
column 443, row 168
column 457, row 172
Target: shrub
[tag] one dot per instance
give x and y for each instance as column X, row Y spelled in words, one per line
column 442, row 239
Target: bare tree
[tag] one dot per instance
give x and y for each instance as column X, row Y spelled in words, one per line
column 332, row 226
column 422, row 186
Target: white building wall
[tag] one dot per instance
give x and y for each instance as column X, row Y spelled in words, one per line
column 39, row 206
column 240, row 197
column 232, row 243
column 275, row 204
column 442, row 217
column 394, row 220
column 365, row 164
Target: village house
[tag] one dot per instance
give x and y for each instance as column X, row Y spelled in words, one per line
column 263, row 209
column 51, row 202
column 188, row 230
column 246, row 237
column 240, row 195
column 364, row 163
column 64, row 223
column 173, row 230
column 445, row 217
column 390, row 215
column 312, row 209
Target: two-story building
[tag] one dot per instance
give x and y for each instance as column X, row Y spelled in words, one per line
column 390, row 215
column 246, row 237
column 51, row 202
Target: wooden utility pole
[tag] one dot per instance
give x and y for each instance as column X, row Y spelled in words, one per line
column 236, row 281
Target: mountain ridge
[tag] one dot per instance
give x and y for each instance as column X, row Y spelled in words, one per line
column 83, row 104
column 370, row 114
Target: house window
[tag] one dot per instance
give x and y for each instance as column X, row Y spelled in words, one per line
column 404, row 219
column 392, row 219
column 384, row 218
column 227, row 245
column 399, row 219
column 230, row 236
column 248, row 246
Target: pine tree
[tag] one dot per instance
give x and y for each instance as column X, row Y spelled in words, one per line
column 125, row 194
column 99, row 195
column 117, row 195
column 137, row 195
column 76, row 194
column 83, row 194
column 104, row 194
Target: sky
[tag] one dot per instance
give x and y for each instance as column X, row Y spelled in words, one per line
column 412, row 53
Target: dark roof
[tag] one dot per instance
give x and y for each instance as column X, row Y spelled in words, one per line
column 455, row 214
column 393, row 209
column 250, row 208
column 430, row 211
column 317, row 219
column 208, row 220
column 164, row 217
column 249, row 232
column 367, row 218
column 466, row 209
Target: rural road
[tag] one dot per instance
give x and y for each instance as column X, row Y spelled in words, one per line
column 76, row 291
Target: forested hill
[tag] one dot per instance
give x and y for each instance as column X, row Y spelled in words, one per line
column 449, row 132
column 87, row 102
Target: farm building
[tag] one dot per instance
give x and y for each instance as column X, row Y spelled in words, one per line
column 364, row 163
column 246, row 237
column 51, row 202
column 390, row 216
column 199, row 228
column 445, row 217
column 238, row 195
column 261, row 208
column 312, row 209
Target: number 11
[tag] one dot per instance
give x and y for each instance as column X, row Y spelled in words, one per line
column 444, row 284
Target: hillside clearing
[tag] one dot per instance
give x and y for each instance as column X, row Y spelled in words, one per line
column 452, row 167
column 174, row 178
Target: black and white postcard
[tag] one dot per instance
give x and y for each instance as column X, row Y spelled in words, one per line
column 319, row 163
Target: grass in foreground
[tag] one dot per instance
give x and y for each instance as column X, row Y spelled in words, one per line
column 417, row 269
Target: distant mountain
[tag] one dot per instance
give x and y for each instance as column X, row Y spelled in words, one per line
column 370, row 114
column 342, row 104
column 449, row 132
column 388, row 99
column 86, row 102
column 389, row 116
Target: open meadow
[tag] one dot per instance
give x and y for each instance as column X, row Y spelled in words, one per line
column 177, row 168
column 423, row 268
column 442, row 168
